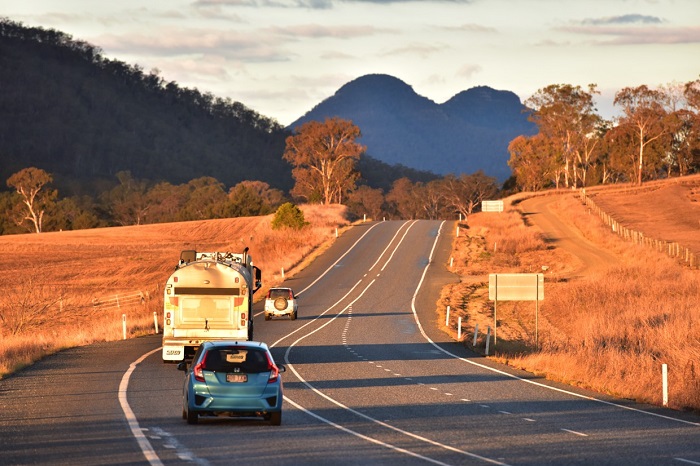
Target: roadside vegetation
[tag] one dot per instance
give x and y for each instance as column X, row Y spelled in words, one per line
column 610, row 331
column 86, row 278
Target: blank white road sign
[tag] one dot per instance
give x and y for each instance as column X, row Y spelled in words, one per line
column 516, row 287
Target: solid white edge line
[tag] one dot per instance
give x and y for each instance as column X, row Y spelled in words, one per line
column 136, row 431
column 498, row 371
column 683, row 460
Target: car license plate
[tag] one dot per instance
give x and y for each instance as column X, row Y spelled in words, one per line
column 237, row 378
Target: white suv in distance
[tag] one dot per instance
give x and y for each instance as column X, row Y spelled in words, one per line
column 281, row 302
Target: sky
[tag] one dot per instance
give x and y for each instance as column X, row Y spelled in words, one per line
column 283, row 57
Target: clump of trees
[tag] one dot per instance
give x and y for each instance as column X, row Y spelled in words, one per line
column 657, row 135
column 34, row 206
column 324, row 156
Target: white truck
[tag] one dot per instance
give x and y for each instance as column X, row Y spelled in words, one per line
column 208, row 297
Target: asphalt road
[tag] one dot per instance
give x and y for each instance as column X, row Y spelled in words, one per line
column 370, row 380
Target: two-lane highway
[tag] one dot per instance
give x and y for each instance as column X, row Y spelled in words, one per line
column 370, row 380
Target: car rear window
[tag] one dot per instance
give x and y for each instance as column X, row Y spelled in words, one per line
column 274, row 294
column 247, row 360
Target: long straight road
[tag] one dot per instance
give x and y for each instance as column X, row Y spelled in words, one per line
column 370, row 380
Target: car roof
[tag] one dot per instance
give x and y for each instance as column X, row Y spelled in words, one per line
column 226, row 343
column 280, row 288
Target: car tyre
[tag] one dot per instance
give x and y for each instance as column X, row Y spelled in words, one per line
column 268, row 317
column 276, row 418
column 293, row 315
column 187, row 413
column 192, row 417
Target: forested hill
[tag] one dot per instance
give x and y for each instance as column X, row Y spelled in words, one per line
column 469, row 132
column 68, row 110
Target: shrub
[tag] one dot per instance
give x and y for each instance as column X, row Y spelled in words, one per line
column 289, row 215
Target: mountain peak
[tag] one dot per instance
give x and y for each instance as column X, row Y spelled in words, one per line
column 469, row 132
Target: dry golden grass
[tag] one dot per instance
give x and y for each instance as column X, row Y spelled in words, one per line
column 49, row 282
column 610, row 331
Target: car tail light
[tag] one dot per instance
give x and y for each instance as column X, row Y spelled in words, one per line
column 198, row 368
column 274, row 371
column 290, row 294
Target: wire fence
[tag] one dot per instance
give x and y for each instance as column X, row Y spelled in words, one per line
column 672, row 249
column 120, row 301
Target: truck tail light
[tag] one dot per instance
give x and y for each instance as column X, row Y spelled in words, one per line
column 243, row 319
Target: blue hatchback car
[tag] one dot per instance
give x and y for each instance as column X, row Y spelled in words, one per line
column 231, row 378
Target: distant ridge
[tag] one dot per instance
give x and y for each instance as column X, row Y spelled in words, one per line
column 469, row 132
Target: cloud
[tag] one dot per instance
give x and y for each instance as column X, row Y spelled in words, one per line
column 421, row 50
column 620, row 35
column 468, row 27
column 319, row 31
column 311, row 4
column 406, row 1
column 623, row 19
column 336, row 55
column 469, row 70
column 228, row 44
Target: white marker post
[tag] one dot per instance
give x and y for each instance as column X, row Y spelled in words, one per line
column 476, row 333
column 124, row 326
column 488, row 340
column 155, row 320
column 664, row 383
column 459, row 329
column 447, row 317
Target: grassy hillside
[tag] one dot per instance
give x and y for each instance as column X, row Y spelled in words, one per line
column 607, row 325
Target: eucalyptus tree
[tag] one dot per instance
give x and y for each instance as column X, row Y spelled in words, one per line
column 324, row 155
column 30, row 183
column 644, row 112
column 566, row 116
